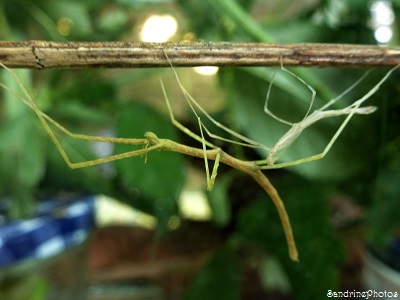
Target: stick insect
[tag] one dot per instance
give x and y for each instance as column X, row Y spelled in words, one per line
column 309, row 119
column 152, row 142
column 295, row 129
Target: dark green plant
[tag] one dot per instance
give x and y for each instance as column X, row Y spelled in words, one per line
column 85, row 100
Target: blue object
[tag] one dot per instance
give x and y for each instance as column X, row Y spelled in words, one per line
column 58, row 226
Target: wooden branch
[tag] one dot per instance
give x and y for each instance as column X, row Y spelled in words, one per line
column 44, row 55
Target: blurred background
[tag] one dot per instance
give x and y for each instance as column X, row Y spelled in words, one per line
column 165, row 230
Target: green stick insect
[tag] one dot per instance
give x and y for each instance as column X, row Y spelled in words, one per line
column 209, row 151
column 295, row 130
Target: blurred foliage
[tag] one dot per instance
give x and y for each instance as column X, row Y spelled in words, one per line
column 164, row 188
column 364, row 163
column 319, row 248
column 84, row 101
column 219, row 279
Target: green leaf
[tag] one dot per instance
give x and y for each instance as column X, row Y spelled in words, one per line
column 142, row 3
column 219, row 279
column 219, row 201
column 22, row 163
column 320, row 252
column 160, row 174
column 113, row 19
column 242, row 19
column 75, row 12
column 60, row 176
column 79, row 112
column 22, row 149
column 248, row 100
column 30, row 287
column 208, row 27
column 384, row 214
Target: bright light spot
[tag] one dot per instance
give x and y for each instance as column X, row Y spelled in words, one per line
column 382, row 17
column 206, row 70
column 194, row 205
column 383, row 34
column 112, row 212
column 382, row 13
column 158, row 29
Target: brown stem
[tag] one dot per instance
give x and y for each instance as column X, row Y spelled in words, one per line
column 44, row 54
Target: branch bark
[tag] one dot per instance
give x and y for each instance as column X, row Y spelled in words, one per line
column 45, row 55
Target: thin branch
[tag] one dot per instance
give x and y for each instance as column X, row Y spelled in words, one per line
column 44, row 55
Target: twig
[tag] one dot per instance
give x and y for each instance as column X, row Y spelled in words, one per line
column 43, row 54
